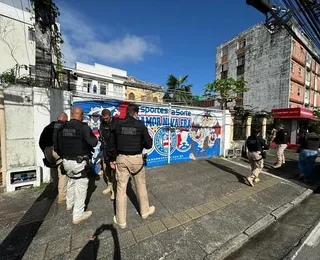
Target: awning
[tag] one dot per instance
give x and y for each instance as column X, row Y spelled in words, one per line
column 293, row 113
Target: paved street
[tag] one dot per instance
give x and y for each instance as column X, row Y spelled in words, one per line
column 200, row 206
column 283, row 239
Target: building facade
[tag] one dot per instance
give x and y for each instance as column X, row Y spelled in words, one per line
column 99, row 81
column 143, row 91
column 17, row 41
column 278, row 70
column 103, row 82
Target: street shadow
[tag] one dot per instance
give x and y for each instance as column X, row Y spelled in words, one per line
column 240, row 177
column 91, row 189
column 132, row 195
column 19, row 239
column 91, row 249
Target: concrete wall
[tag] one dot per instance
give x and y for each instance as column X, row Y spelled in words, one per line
column 17, row 23
column 267, row 66
column 28, row 110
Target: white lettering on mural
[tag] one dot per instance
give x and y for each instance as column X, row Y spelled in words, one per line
column 156, row 116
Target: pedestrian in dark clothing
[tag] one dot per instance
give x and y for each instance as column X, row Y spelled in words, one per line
column 107, row 124
column 52, row 160
column 281, row 140
column 256, row 146
column 309, row 144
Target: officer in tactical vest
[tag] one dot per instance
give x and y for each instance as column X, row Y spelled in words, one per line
column 107, row 123
column 125, row 147
column 75, row 145
column 52, row 159
column 256, row 146
column 309, row 144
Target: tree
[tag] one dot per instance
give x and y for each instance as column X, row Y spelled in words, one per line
column 178, row 91
column 226, row 90
column 7, row 27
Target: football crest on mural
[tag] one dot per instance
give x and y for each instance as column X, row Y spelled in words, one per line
column 161, row 141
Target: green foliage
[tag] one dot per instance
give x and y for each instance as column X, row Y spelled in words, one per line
column 316, row 112
column 226, row 90
column 46, row 13
column 8, row 77
column 177, row 91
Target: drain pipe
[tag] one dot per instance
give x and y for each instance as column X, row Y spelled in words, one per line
column 3, row 138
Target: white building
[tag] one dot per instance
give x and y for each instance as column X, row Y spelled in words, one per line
column 99, row 81
column 17, row 40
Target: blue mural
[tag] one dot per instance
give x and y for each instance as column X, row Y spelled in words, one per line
column 187, row 134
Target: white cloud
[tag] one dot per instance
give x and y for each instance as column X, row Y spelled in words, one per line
column 83, row 43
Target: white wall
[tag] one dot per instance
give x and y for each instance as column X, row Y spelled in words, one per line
column 28, row 110
column 17, row 23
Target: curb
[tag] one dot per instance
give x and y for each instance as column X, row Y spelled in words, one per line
column 238, row 241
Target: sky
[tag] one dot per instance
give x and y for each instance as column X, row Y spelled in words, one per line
column 151, row 39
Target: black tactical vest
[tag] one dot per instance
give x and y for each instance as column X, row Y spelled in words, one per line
column 129, row 137
column 71, row 141
column 253, row 144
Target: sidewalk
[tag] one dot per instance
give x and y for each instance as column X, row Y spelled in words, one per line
column 203, row 210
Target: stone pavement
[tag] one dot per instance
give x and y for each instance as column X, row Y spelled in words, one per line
column 203, row 210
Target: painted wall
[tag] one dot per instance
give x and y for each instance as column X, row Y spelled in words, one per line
column 195, row 133
column 27, row 111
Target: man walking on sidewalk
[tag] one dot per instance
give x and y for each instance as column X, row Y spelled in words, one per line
column 256, row 146
column 309, row 144
column 125, row 146
column 281, row 140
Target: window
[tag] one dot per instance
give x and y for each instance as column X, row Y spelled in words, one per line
column 293, row 46
column 155, row 100
column 224, row 74
column 241, row 61
column 131, row 96
column 300, row 71
column 224, row 67
column 31, row 34
column 95, row 89
column 292, row 66
column 143, row 98
column 241, row 44
column 118, row 89
column 224, row 51
column 299, row 91
column 306, row 95
column 309, row 58
column 86, row 85
column 301, row 51
column 240, row 70
column 103, row 89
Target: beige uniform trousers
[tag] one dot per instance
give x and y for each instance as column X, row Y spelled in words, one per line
column 256, row 163
column 127, row 164
column 63, row 179
column 110, row 175
column 280, row 154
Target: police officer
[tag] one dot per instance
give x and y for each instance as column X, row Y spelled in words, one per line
column 52, row 159
column 309, row 144
column 75, row 145
column 107, row 123
column 256, row 146
column 125, row 146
